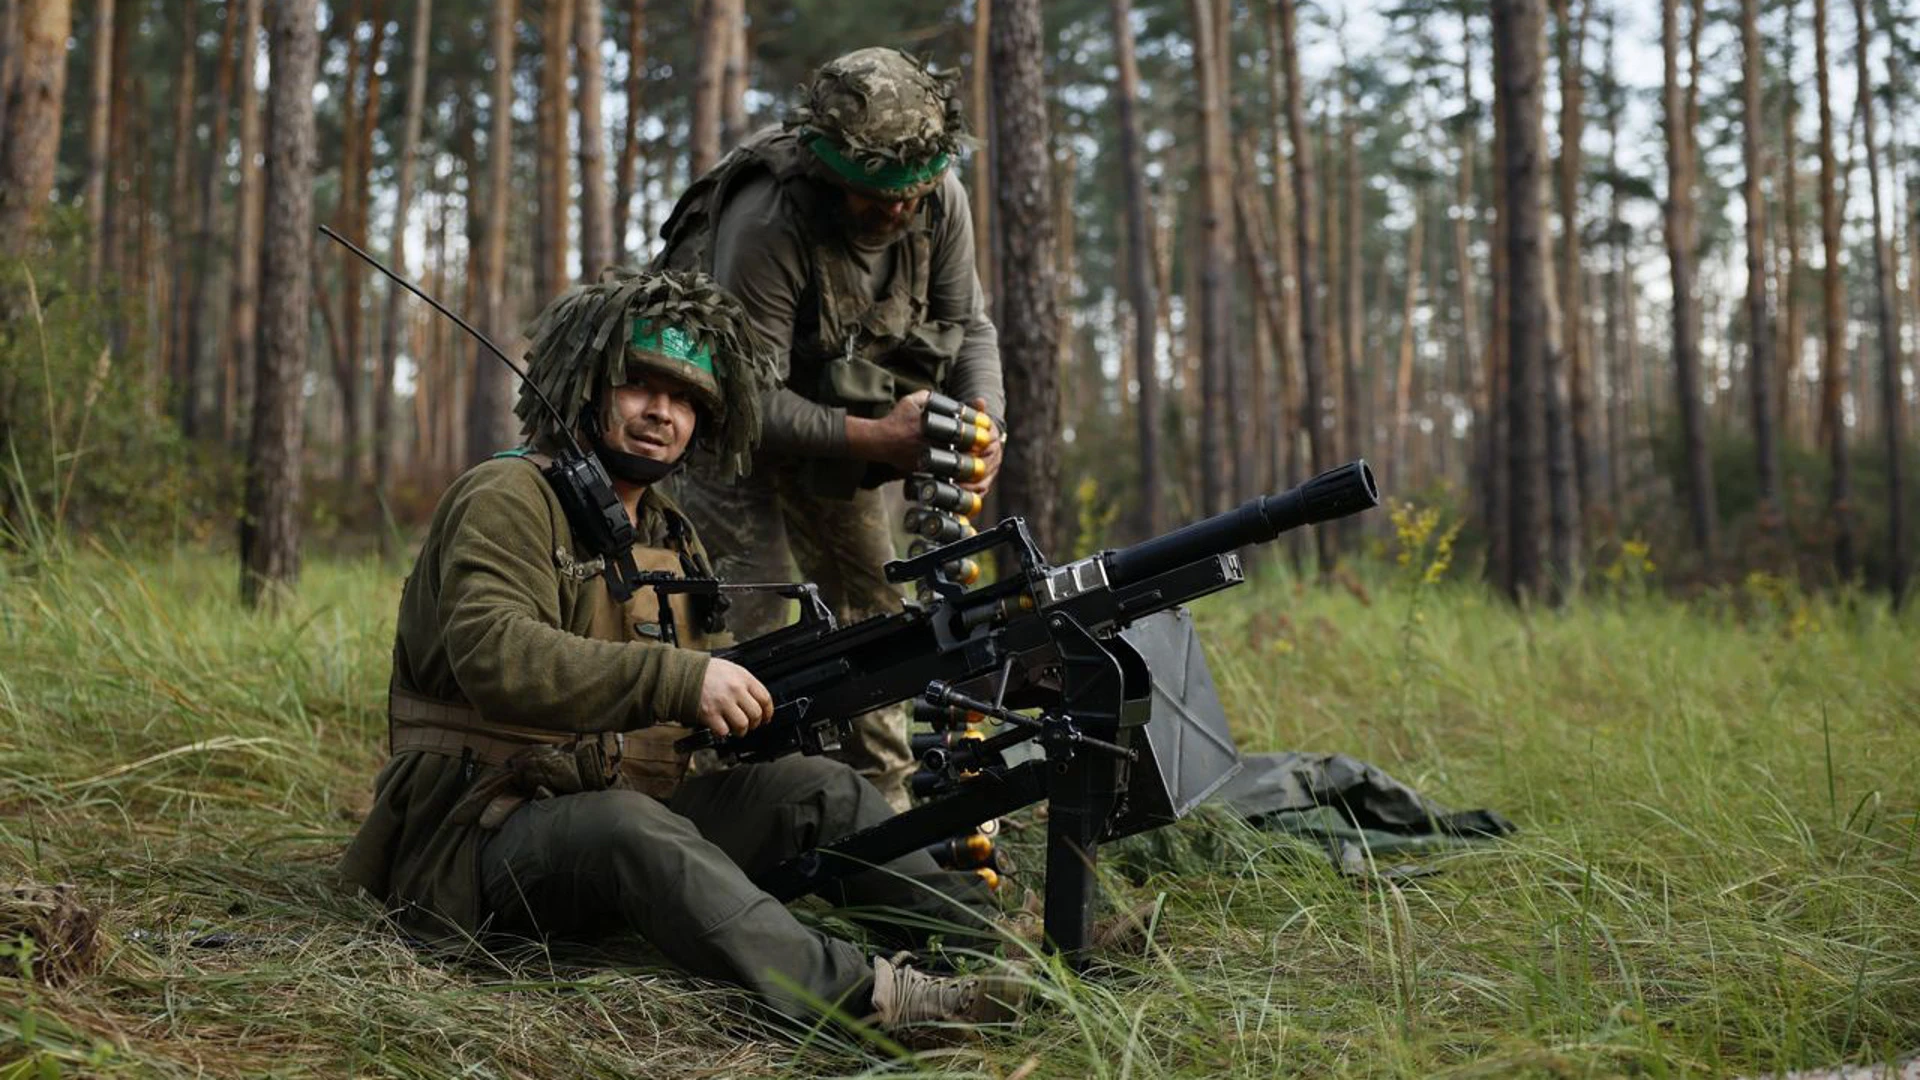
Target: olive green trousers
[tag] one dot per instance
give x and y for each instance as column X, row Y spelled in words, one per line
column 751, row 525
column 681, row 875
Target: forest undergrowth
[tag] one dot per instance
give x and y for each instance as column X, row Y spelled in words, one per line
column 1717, row 873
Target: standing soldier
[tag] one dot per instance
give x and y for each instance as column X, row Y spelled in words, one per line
column 533, row 786
column 847, row 237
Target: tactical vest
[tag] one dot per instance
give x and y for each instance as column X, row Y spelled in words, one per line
column 861, row 355
column 533, row 759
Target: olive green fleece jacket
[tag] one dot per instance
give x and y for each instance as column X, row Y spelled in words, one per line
column 498, row 615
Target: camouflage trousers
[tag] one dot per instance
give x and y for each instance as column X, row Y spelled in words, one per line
column 757, row 529
column 598, row 865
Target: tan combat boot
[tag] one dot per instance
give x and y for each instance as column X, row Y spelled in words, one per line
column 910, row 1002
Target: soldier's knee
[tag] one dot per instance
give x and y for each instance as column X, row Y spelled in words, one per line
column 621, row 821
column 801, row 775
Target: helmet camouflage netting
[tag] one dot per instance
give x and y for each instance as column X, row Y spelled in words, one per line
column 585, row 340
column 882, row 121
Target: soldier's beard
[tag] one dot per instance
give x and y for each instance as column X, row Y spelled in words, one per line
column 873, row 223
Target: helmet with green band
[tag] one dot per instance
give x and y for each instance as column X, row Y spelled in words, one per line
column 677, row 323
column 880, row 122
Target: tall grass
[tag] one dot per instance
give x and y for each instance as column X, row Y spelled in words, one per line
column 1718, row 873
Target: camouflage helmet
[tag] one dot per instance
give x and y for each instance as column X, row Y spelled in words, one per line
column 880, row 122
column 678, row 322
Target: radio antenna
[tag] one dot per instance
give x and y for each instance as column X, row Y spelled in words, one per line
column 565, row 428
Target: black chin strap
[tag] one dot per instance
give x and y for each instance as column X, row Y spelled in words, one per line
column 632, row 468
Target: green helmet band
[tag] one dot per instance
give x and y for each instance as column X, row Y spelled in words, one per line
column 890, row 177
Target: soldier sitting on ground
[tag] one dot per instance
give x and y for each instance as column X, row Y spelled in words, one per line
column 533, row 788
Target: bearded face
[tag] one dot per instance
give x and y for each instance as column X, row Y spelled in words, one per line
column 877, row 220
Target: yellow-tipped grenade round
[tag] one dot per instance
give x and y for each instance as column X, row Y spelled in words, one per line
column 940, row 495
column 951, row 465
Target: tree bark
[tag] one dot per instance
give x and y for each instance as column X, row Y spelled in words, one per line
column 1140, row 282
column 1759, row 318
column 1679, row 109
column 626, row 171
column 1465, row 200
column 1886, row 320
column 1619, row 386
column 1355, row 435
column 490, row 403
column 733, row 87
column 1215, row 256
column 1403, row 375
column 1029, row 479
column 30, row 140
column 383, row 437
column 1786, row 291
column 555, row 186
column 270, row 520
column 1833, row 360
column 238, row 351
column 181, row 355
column 1568, row 421
column 1285, row 418
column 1313, row 360
column 712, row 47
column 99, row 119
column 982, row 123
column 596, row 214
column 1519, row 46
column 201, row 392
column 9, row 14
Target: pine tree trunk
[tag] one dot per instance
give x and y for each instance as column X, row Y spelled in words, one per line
column 555, row 108
column 1285, row 418
column 1252, row 230
column 981, row 197
column 712, row 49
column 492, row 389
column 1679, row 108
column 596, row 214
column 201, row 392
column 1215, row 256
column 1568, row 421
column 418, row 44
column 1787, row 291
column 1403, row 375
column 1519, row 28
column 626, row 171
column 238, row 361
column 1619, row 386
column 99, row 116
column 30, row 139
column 1833, row 360
column 1313, row 358
column 270, row 520
column 1029, row 480
column 1465, row 296
column 180, row 352
column 9, row 16
column 1140, row 281
column 1886, row 321
column 1759, row 319
column 1493, row 448
column 1357, row 431
column 733, row 87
